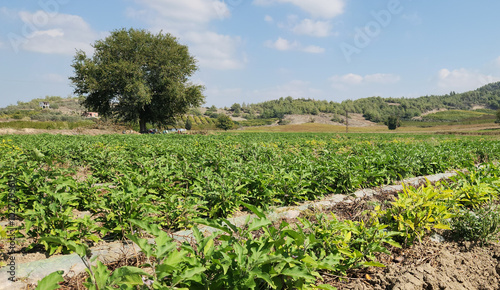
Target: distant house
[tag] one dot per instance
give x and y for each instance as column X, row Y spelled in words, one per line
column 91, row 115
column 44, row 105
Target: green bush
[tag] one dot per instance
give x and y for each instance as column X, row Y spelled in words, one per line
column 393, row 122
column 224, row 122
column 479, row 225
column 417, row 211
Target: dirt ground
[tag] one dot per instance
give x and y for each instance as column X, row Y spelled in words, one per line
column 433, row 264
column 355, row 120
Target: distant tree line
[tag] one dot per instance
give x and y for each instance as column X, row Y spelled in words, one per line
column 376, row 109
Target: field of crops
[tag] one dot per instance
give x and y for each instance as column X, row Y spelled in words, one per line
column 172, row 180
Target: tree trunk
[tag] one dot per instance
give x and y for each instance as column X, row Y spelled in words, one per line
column 142, row 125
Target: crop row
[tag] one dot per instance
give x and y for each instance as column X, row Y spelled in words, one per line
column 86, row 189
column 263, row 255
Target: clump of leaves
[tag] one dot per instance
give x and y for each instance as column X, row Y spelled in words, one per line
column 479, row 225
column 476, row 188
column 53, row 215
column 353, row 244
column 417, row 211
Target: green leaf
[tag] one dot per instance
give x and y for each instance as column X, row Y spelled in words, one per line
column 188, row 274
column 264, row 276
column 257, row 224
column 51, row 281
column 208, row 247
column 442, row 227
column 325, row 287
column 214, row 224
column 372, row 264
column 297, row 273
column 255, row 210
column 102, row 275
column 128, row 275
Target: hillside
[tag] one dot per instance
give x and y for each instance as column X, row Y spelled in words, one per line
column 376, row 109
column 61, row 109
column 477, row 106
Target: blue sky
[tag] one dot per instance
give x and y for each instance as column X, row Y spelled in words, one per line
column 257, row 50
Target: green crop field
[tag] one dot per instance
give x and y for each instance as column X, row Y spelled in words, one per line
column 176, row 181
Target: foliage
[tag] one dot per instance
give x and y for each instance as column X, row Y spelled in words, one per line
column 353, row 244
column 137, row 76
column 173, row 179
column 393, row 122
column 474, row 189
column 189, row 124
column 51, row 281
column 283, row 122
column 224, row 122
column 498, row 116
column 52, row 215
column 417, row 211
column 375, row 108
column 181, row 180
column 479, row 225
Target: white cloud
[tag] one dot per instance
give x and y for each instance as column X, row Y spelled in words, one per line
column 382, row 78
column 189, row 21
column 313, row 28
column 215, row 50
column 268, row 18
column 317, row 8
column 284, row 45
column 462, row 80
column 53, row 34
column 192, row 11
column 344, row 81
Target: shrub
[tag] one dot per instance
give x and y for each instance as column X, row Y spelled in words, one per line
column 417, row 211
column 224, row 122
column 189, row 125
column 283, row 122
column 478, row 225
column 393, row 122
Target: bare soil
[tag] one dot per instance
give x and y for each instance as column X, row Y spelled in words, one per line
column 355, row 120
column 428, row 265
column 428, row 113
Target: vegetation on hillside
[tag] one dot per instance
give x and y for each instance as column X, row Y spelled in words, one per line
column 377, row 109
column 485, row 101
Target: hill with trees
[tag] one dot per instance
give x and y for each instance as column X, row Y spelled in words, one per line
column 377, row 109
column 477, row 105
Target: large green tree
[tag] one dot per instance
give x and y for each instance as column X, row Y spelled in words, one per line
column 137, row 76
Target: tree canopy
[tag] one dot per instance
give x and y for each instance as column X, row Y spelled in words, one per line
column 376, row 109
column 224, row 122
column 135, row 75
